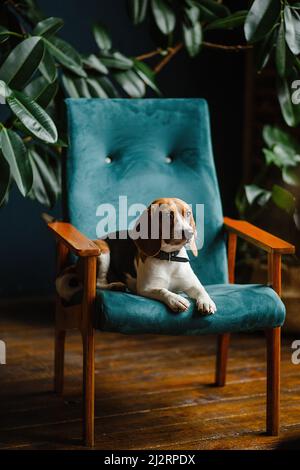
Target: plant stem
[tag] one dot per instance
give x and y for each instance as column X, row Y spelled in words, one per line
column 235, row 48
column 148, row 55
column 166, row 60
column 171, row 51
column 17, row 35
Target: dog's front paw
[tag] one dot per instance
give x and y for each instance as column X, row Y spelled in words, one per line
column 177, row 303
column 206, row 305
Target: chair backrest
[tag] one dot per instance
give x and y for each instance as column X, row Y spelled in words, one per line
column 145, row 149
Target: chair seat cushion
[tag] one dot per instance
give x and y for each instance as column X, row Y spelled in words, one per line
column 240, row 308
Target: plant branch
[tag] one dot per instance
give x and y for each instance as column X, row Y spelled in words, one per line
column 17, row 35
column 148, row 55
column 166, row 60
column 236, row 47
column 171, row 51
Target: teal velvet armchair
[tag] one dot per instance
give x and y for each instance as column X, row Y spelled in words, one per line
column 144, row 150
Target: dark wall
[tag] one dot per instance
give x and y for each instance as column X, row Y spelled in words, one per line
column 27, row 251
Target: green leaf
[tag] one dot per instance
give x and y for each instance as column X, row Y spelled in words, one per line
column 131, row 83
column 65, row 54
column 5, row 91
column 16, row 155
column 48, row 27
column 46, row 186
column 82, row 88
column 290, row 176
column 253, row 192
column 95, row 88
column 4, row 179
column 116, row 60
column 281, row 156
column 47, row 67
column 292, row 29
column 290, row 111
column 286, row 155
column 264, row 198
column 41, row 91
column 264, row 49
column 270, row 157
column 283, row 199
column 290, row 63
column 192, row 36
column 69, row 85
column 232, row 21
column 95, row 63
column 137, row 10
column 216, row 8
column 192, row 13
column 22, row 62
column 102, row 37
column 261, row 18
column 33, row 117
column 164, row 16
column 273, row 135
column 146, row 74
column 108, row 87
column 206, row 14
column 75, row 87
column 240, row 201
column 280, row 51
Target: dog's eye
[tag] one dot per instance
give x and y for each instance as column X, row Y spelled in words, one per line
column 188, row 213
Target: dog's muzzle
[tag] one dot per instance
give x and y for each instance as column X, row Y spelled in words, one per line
column 188, row 234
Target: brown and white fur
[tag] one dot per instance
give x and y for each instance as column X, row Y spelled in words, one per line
column 134, row 263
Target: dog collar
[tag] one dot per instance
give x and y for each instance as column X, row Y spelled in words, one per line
column 172, row 256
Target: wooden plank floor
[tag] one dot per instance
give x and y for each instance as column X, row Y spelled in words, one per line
column 152, row 392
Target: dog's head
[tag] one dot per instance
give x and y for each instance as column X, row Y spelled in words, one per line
column 167, row 224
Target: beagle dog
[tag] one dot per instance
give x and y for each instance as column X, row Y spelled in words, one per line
column 150, row 260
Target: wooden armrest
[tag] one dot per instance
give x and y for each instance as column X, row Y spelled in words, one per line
column 258, row 237
column 73, row 239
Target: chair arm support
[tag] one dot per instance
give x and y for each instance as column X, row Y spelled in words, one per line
column 73, row 239
column 258, row 237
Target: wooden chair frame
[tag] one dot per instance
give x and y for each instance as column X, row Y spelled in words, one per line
column 81, row 316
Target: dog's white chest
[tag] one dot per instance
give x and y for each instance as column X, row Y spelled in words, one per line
column 161, row 273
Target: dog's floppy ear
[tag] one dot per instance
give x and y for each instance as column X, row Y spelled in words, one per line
column 192, row 242
column 147, row 237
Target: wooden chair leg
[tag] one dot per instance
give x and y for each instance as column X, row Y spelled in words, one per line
column 221, row 362
column 273, row 352
column 88, row 341
column 273, row 380
column 60, row 336
column 88, row 389
column 223, row 340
